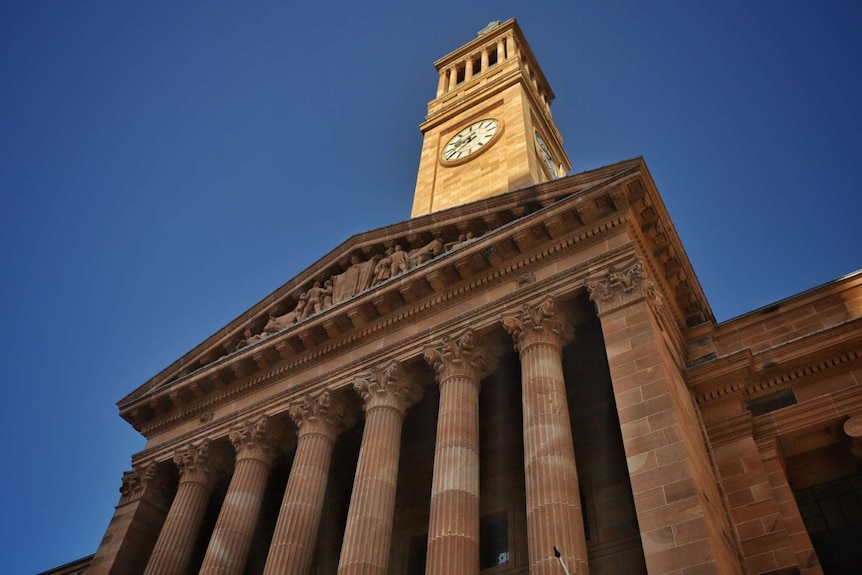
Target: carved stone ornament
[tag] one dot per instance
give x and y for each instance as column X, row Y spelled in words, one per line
column 538, row 323
column 387, row 387
column 258, row 438
column 321, row 413
column 136, row 481
column 461, row 355
column 200, row 462
column 525, row 279
column 619, row 287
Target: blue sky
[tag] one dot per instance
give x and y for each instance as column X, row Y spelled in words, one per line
column 165, row 165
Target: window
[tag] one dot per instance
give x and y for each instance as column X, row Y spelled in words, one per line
column 832, row 513
column 461, row 74
column 492, row 56
column 493, row 540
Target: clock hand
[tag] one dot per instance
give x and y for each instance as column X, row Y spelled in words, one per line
column 464, row 141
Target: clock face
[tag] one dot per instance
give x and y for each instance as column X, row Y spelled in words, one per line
column 470, row 140
column 546, row 156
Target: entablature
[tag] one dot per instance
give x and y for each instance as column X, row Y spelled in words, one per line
column 512, row 235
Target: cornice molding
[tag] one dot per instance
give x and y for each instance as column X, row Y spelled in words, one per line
column 801, row 361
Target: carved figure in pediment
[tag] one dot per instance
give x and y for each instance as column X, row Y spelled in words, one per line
column 462, row 239
column 400, row 262
column 382, row 270
column 277, row 323
column 250, row 338
column 316, row 295
column 327, row 294
column 355, row 279
column 426, row 252
column 299, row 310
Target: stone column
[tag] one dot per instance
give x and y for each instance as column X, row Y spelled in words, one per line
column 441, row 85
column 680, row 509
column 257, row 443
column 199, row 465
column 754, row 507
column 387, row 394
column 554, row 519
column 510, row 46
column 468, row 72
column 853, row 430
column 501, row 51
column 484, row 59
column 145, row 498
column 453, row 530
column 453, row 77
column 320, row 419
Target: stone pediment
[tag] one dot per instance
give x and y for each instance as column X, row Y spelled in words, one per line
column 378, row 275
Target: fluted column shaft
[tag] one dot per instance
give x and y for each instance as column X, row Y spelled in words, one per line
column 174, row 546
column 257, row 444
column 319, row 419
column 367, row 537
column 554, row 518
column 453, row 528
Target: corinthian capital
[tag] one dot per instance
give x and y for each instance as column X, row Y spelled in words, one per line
column 538, row 323
column 321, row 413
column 387, row 387
column 200, row 462
column 258, row 438
column 145, row 480
column 461, row 355
column 618, row 287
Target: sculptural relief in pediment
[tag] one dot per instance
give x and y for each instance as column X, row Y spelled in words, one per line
column 359, row 276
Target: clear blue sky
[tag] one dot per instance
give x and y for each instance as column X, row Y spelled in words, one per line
column 165, row 165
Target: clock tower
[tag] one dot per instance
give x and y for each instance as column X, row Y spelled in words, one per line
column 489, row 130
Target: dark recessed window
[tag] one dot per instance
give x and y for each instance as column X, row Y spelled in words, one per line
column 492, row 56
column 772, row 402
column 493, row 540
column 462, row 72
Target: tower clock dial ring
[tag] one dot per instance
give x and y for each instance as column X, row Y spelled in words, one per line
column 470, row 140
